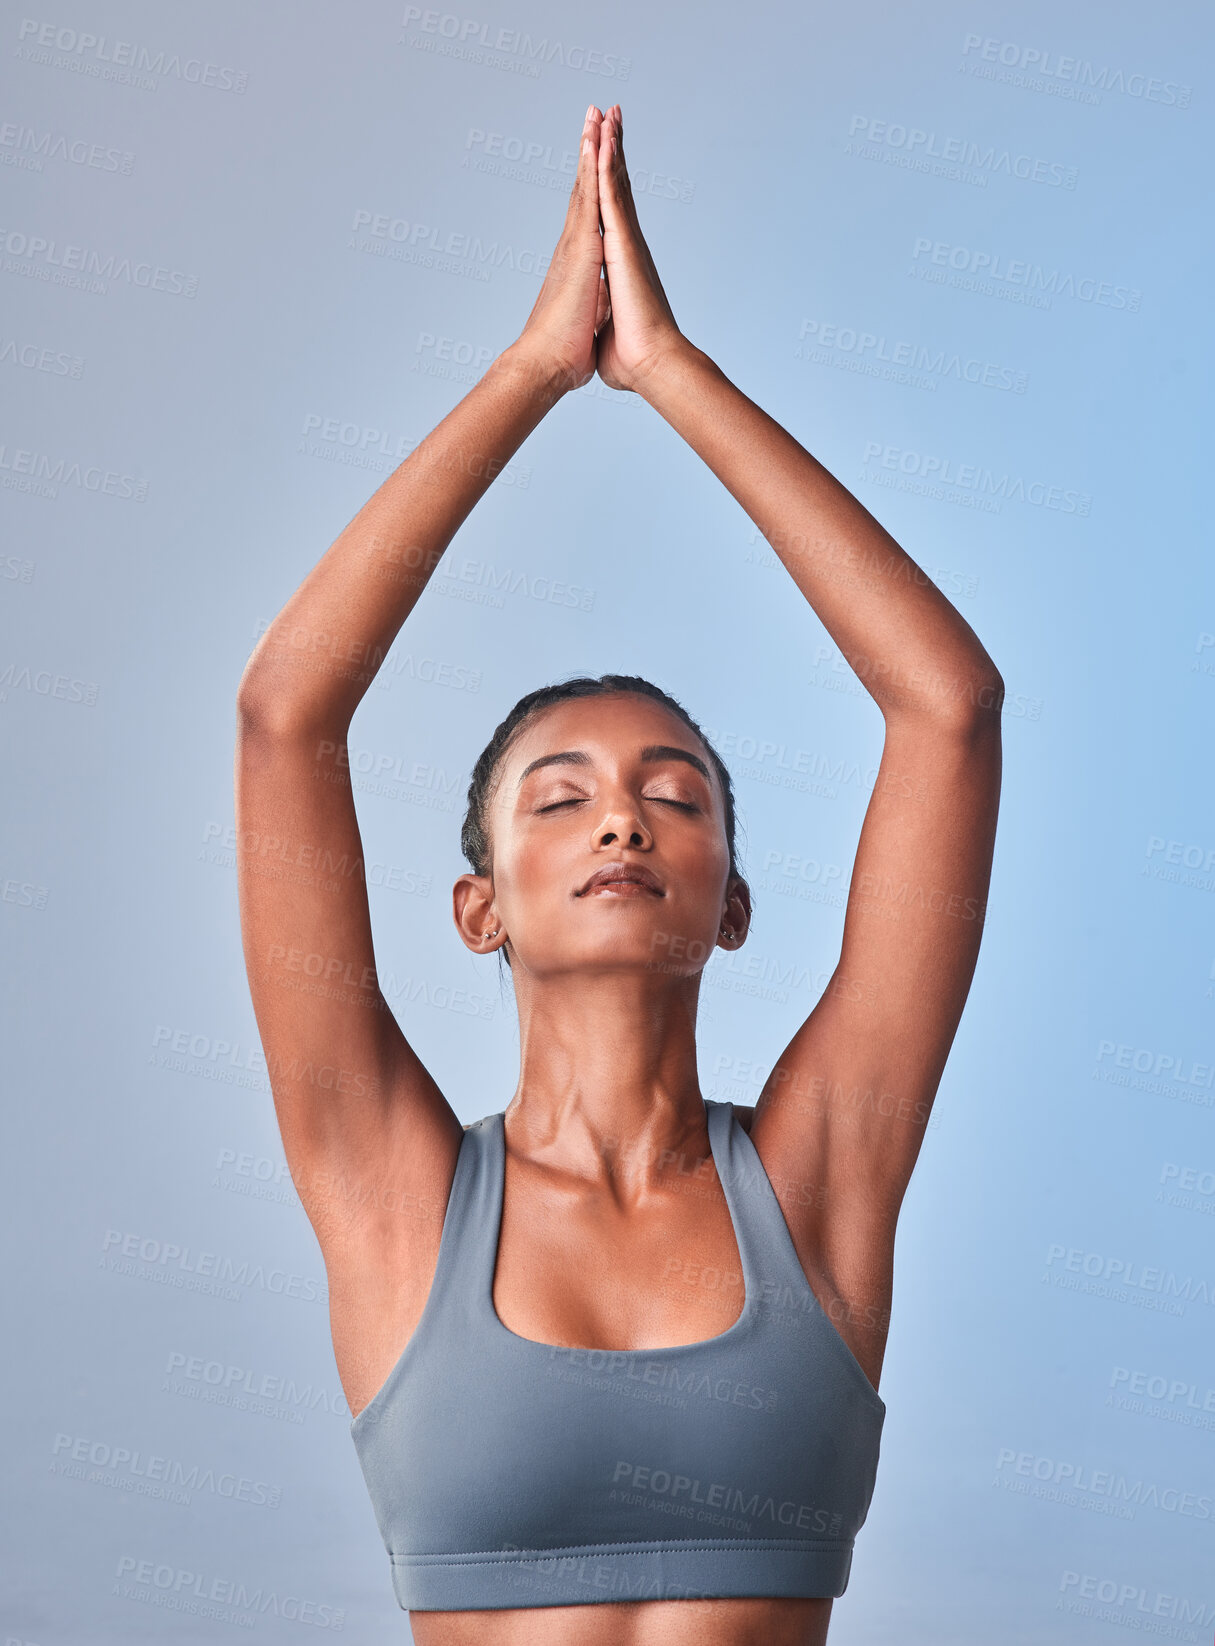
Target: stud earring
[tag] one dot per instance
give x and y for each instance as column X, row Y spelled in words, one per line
column 485, row 936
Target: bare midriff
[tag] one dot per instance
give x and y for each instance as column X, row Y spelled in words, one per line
column 740, row 1622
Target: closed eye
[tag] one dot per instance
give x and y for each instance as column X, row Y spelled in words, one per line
column 684, row 805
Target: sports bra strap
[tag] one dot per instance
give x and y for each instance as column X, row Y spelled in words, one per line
column 464, row 1274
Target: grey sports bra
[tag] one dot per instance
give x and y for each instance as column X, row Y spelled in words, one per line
column 506, row 1473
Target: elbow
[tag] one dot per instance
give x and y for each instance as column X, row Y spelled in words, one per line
column 978, row 698
column 976, row 694
column 255, row 700
column 266, row 708
column 982, row 704
column 967, row 702
column 989, row 690
column 986, row 689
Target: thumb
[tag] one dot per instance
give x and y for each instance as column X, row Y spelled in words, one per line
column 603, row 312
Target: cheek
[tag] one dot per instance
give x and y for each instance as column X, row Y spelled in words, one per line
column 530, row 876
column 702, row 867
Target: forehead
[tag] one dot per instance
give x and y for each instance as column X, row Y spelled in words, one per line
column 610, row 729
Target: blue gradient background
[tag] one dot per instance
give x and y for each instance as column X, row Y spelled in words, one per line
column 1018, row 1500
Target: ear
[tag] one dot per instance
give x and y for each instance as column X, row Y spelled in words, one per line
column 472, row 908
column 737, row 914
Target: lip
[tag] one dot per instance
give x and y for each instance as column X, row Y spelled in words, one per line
column 623, row 874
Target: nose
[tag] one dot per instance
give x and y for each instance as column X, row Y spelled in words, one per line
column 621, row 824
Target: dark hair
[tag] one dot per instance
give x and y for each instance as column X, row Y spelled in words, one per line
column 474, row 834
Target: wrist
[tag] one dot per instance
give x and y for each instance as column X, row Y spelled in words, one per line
column 537, row 371
column 674, row 360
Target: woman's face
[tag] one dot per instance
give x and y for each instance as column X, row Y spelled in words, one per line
column 599, row 781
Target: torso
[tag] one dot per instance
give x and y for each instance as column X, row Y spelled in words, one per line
column 553, row 1284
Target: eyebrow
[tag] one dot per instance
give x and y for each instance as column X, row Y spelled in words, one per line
column 651, row 752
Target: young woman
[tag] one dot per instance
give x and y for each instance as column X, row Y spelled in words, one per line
column 612, row 1355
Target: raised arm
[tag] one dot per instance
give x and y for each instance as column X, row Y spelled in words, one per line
column 366, row 1131
column 911, row 648
column 846, row 1103
column 316, row 660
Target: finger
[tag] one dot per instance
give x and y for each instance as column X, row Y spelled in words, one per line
column 624, row 182
column 588, row 150
column 616, row 205
column 609, row 205
column 584, row 196
column 623, row 239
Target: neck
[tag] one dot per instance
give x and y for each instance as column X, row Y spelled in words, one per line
column 608, row 1086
